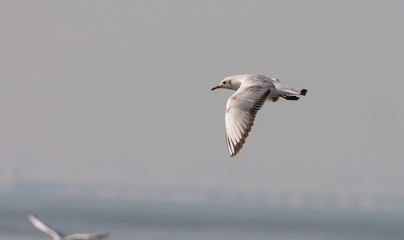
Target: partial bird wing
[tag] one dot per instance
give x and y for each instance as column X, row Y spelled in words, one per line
column 87, row 236
column 44, row 228
column 241, row 109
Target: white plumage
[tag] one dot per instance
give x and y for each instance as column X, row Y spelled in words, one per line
column 251, row 93
column 60, row 236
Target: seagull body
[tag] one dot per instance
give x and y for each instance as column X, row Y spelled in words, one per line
column 60, row 236
column 251, row 93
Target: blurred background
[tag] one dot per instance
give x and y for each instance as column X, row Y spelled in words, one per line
column 108, row 121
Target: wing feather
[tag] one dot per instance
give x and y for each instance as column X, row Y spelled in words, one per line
column 44, row 228
column 241, row 109
column 87, row 236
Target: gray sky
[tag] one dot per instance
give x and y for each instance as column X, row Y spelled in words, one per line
column 118, row 93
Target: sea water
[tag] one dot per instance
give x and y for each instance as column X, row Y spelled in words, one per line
column 127, row 220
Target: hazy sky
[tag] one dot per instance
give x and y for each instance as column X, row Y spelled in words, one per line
column 118, row 92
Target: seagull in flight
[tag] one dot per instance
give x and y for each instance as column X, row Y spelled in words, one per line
column 60, row 236
column 251, row 93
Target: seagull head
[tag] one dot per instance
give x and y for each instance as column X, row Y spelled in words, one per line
column 229, row 83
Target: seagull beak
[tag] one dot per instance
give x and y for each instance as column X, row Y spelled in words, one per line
column 216, row 87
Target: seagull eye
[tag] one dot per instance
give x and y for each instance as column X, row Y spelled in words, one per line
column 224, row 82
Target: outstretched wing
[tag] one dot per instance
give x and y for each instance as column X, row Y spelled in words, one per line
column 241, row 109
column 44, row 228
column 87, row 236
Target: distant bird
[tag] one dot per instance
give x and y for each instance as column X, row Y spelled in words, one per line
column 251, row 93
column 59, row 236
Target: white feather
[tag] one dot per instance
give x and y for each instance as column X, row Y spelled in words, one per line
column 59, row 236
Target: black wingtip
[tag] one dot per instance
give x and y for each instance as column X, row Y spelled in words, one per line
column 303, row 92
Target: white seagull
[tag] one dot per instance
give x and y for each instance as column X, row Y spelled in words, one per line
column 251, row 93
column 60, row 236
